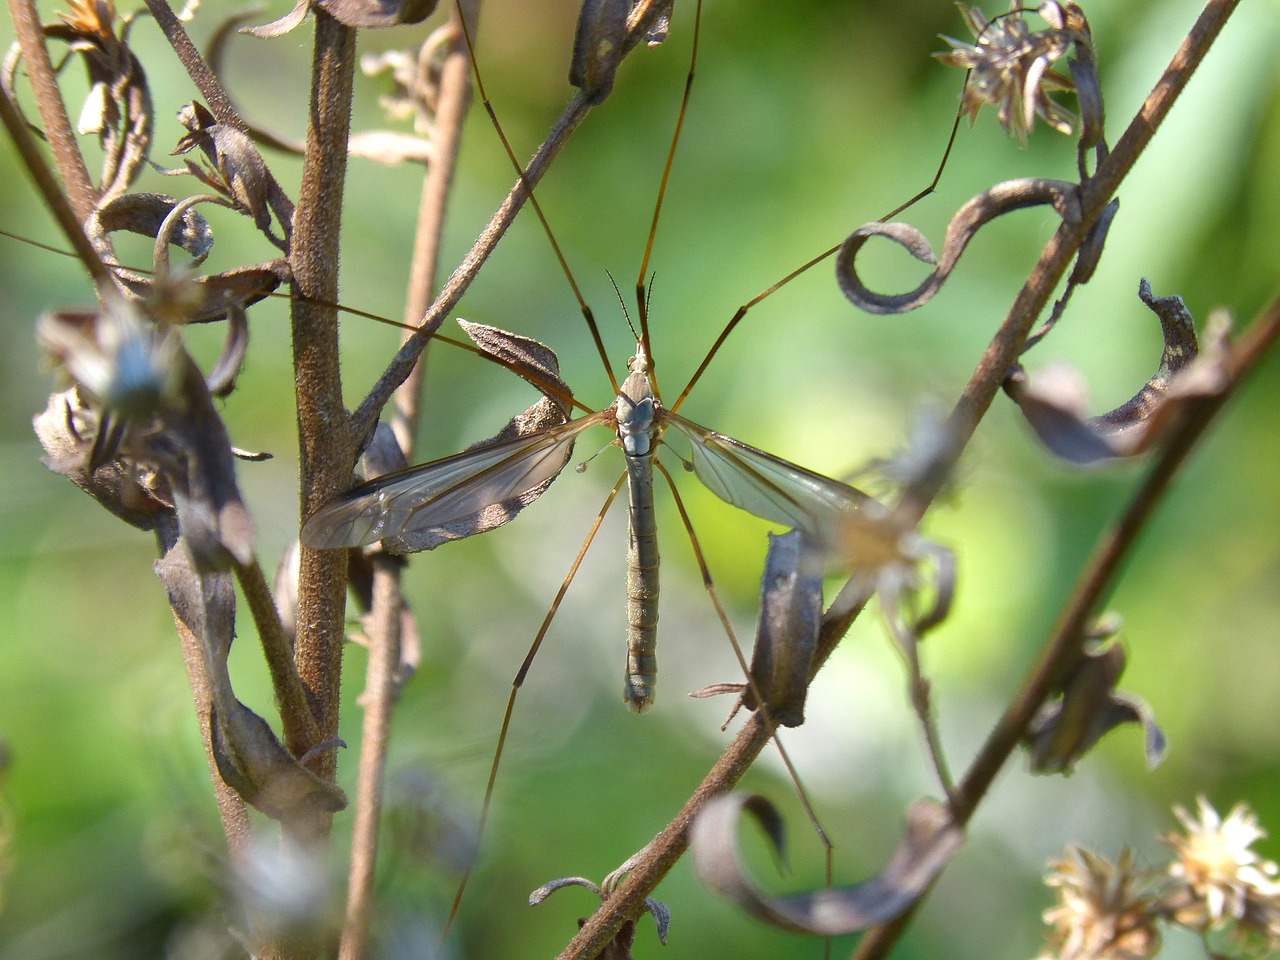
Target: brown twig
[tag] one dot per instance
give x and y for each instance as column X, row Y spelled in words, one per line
column 300, row 732
column 80, row 191
column 198, row 70
column 385, row 628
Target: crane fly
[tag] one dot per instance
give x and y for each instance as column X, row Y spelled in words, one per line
column 457, row 487
column 436, row 493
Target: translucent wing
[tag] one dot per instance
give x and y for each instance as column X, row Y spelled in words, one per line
column 765, row 485
column 436, row 493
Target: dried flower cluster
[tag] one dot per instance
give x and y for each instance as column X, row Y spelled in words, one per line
column 1010, row 66
column 1216, row 885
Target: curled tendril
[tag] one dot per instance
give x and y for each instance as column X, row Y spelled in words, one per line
column 1003, row 198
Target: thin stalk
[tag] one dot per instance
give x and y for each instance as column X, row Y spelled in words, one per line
column 387, row 606
column 80, row 191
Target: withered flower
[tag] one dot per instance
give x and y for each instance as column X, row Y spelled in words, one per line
column 1223, row 881
column 90, row 18
column 1010, row 69
column 133, row 367
column 1104, row 910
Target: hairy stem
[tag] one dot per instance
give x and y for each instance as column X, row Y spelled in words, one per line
column 80, row 191
column 326, row 451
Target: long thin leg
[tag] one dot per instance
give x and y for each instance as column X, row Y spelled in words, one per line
column 746, row 670
column 515, row 690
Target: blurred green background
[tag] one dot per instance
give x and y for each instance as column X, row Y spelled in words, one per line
column 807, row 120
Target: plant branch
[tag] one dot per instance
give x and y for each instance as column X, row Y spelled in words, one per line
column 80, row 191
column 326, row 450
column 384, row 634
column 197, row 69
column 300, row 732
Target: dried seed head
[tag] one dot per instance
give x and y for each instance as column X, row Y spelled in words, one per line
column 91, row 18
column 1105, row 911
column 1226, row 881
column 1010, row 69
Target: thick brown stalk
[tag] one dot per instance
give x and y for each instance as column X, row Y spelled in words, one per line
column 326, row 452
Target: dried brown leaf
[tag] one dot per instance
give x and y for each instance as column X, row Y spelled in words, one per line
column 787, row 630
column 969, row 219
column 1055, row 403
column 932, row 839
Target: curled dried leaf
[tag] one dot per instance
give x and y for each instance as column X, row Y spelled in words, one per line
column 619, row 947
column 969, row 219
column 1055, row 404
column 1088, row 709
column 787, row 631
column 932, row 839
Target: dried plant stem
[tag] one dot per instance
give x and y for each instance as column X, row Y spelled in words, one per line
column 326, row 450
column 201, row 75
column 80, row 191
column 454, row 101
column 379, row 697
column 385, row 627
column 300, row 732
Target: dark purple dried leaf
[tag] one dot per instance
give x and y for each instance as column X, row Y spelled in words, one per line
column 529, row 359
column 787, row 630
column 144, row 214
column 222, row 378
column 375, row 14
column 932, row 839
column 969, row 219
column 1055, row 403
column 1088, row 710
column 598, row 47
